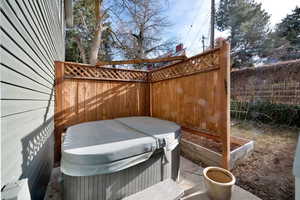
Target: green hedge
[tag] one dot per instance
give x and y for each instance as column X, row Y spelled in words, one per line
column 266, row 112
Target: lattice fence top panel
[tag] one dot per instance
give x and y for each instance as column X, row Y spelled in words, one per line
column 79, row 71
column 199, row 63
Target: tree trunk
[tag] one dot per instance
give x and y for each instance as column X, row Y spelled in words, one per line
column 140, row 42
column 95, row 48
column 81, row 49
column 141, row 52
column 93, row 57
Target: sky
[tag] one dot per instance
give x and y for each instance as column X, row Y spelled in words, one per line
column 191, row 20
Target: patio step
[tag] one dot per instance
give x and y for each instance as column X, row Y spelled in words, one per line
column 166, row 190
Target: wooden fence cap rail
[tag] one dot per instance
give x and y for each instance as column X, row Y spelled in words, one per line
column 141, row 61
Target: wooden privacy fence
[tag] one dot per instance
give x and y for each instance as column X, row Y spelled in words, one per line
column 193, row 93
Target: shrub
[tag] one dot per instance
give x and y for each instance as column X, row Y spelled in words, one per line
column 266, row 112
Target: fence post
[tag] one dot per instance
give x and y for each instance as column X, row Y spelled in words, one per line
column 58, row 110
column 149, row 83
column 224, row 102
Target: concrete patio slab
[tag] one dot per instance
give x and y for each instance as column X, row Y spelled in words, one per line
column 190, row 180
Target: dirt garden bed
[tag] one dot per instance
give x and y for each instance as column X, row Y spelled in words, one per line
column 267, row 172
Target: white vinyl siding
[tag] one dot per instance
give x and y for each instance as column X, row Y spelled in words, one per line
column 32, row 38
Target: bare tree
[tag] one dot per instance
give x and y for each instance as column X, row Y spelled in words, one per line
column 140, row 24
column 137, row 33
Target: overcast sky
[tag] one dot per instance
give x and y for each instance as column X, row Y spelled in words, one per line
column 191, row 19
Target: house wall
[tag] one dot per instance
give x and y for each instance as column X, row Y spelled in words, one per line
column 32, row 38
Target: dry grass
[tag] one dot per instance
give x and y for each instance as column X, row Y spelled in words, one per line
column 267, row 173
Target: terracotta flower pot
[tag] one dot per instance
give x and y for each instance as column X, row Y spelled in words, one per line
column 218, row 182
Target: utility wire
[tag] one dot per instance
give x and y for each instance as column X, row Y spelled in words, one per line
column 197, row 37
column 210, row 29
column 193, row 21
column 194, row 40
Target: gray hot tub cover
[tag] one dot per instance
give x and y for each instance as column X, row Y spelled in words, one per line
column 108, row 146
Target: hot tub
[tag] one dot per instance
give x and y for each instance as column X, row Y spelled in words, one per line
column 112, row 159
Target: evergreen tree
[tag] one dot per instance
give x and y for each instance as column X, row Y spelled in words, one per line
column 289, row 28
column 284, row 42
column 248, row 25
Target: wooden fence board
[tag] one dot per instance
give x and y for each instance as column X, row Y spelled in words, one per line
column 187, row 101
column 195, row 94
